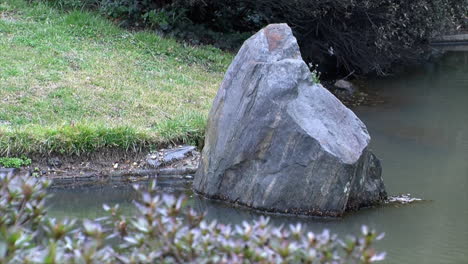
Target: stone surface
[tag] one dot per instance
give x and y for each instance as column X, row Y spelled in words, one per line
column 277, row 142
column 168, row 156
column 345, row 86
column 54, row 162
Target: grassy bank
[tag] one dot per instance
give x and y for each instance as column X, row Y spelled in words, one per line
column 74, row 83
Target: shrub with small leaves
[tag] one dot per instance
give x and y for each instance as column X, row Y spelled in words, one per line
column 14, row 162
column 163, row 230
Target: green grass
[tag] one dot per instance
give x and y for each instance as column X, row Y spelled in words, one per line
column 74, row 83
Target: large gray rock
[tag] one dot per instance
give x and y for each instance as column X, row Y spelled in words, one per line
column 277, row 142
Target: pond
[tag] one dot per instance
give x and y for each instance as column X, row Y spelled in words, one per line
column 421, row 136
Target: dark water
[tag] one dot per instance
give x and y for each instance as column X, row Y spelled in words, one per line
column 421, row 135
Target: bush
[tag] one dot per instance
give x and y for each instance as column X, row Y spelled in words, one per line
column 344, row 35
column 162, row 231
column 8, row 162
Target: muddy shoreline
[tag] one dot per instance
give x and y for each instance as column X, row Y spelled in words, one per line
column 112, row 167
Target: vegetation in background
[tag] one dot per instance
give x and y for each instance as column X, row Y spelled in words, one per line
column 72, row 82
column 161, row 231
column 342, row 36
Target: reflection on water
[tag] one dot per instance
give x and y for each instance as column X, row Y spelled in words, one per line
column 421, row 135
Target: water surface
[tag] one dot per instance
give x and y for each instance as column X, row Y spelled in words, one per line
column 421, row 136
